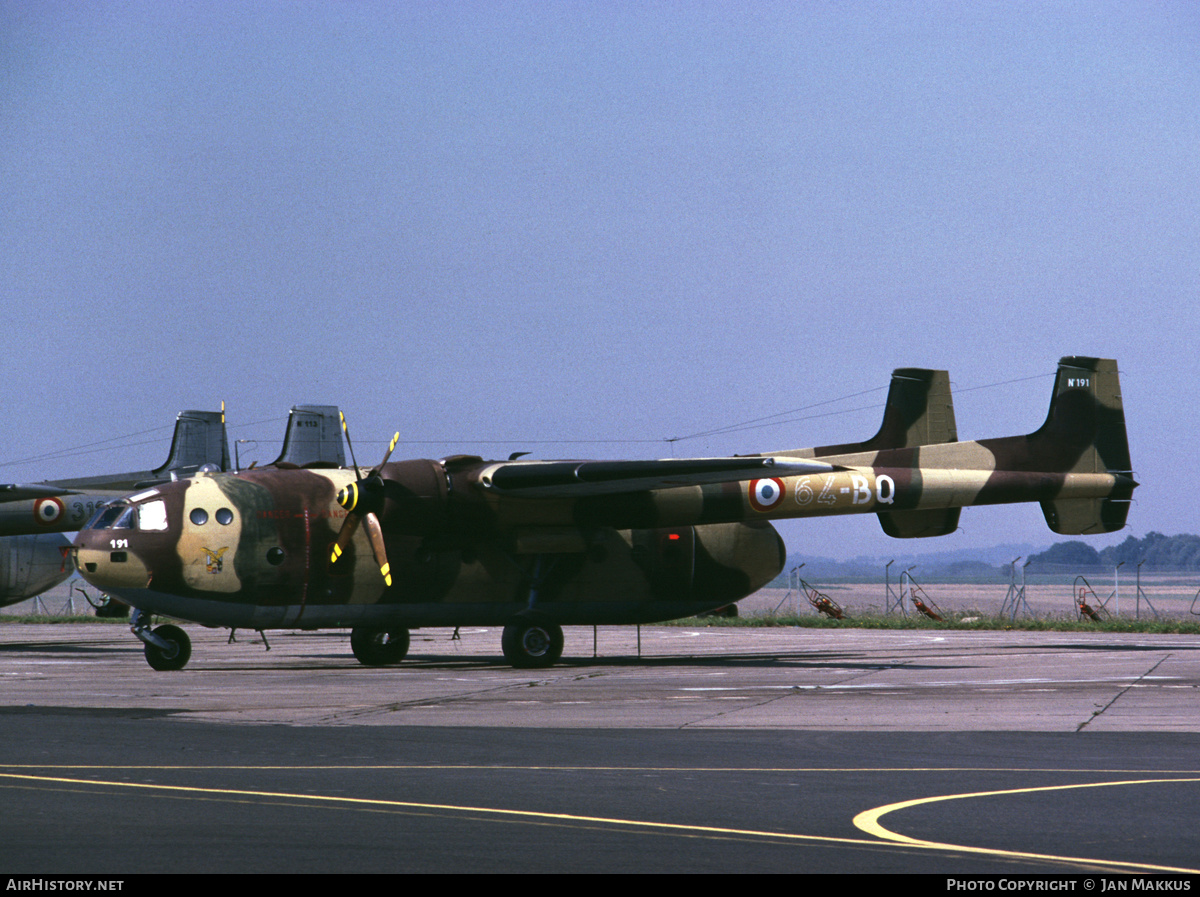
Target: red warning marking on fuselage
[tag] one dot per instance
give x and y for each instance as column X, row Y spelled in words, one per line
column 766, row 494
column 46, row 511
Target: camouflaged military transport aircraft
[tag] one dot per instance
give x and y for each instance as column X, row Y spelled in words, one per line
column 532, row 545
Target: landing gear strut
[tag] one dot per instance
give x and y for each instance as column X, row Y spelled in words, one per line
column 530, row 645
column 167, row 647
column 378, row 647
column 529, row 642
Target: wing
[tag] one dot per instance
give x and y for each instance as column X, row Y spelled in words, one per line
column 576, row 479
column 27, row 491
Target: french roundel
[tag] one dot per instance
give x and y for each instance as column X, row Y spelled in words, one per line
column 766, row 494
column 47, row 510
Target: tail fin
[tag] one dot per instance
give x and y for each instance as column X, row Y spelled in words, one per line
column 199, row 440
column 919, row 411
column 1085, row 432
column 313, row 438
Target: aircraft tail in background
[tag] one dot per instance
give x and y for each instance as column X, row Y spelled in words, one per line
column 313, row 438
column 200, row 441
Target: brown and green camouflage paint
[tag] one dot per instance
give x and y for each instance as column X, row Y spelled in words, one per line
column 474, row 542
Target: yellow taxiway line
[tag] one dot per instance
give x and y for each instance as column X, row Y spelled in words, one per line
column 868, row 821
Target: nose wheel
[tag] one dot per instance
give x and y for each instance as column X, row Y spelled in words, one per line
column 167, row 647
column 171, row 650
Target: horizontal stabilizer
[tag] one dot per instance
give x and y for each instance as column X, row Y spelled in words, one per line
column 920, row 524
column 1086, row 516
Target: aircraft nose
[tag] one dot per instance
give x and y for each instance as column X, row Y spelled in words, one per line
column 108, row 563
column 87, row 557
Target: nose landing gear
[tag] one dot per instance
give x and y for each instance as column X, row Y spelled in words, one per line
column 167, row 647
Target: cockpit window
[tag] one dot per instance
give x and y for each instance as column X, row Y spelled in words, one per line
column 95, row 518
column 152, row 516
column 108, row 516
column 125, row 521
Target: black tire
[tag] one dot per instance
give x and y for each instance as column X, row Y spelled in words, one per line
column 530, row 645
column 173, row 658
column 378, row 647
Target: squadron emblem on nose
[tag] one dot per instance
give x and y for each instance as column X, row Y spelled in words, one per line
column 214, row 564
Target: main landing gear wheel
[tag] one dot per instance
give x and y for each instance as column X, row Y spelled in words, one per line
column 532, row 646
column 378, row 647
column 174, row 657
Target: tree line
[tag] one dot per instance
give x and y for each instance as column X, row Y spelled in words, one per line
column 1157, row 550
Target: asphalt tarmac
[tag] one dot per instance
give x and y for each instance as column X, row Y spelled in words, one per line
column 668, row 750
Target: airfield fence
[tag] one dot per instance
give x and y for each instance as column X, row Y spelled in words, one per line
column 1035, row 591
column 61, row 600
column 1013, row 590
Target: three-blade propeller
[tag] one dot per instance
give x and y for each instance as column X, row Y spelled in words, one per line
column 363, row 500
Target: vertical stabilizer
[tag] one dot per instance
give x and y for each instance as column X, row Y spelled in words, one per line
column 199, row 440
column 313, row 438
column 920, row 400
column 1085, row 432
column 919, row 411
column 1086, row 420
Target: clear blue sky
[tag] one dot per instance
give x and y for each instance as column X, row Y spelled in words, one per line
column 582, row 229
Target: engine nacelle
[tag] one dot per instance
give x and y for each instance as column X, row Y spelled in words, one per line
column 414, row 500
column 722, row 561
